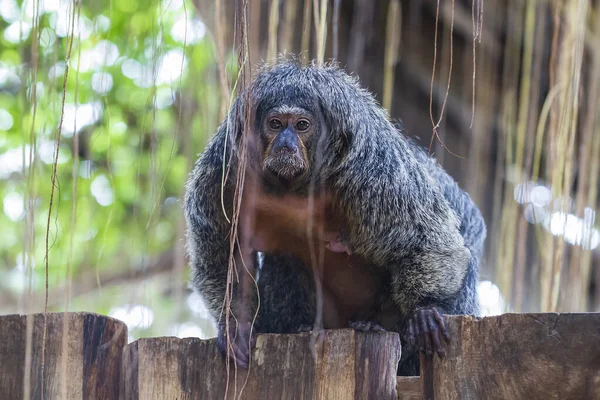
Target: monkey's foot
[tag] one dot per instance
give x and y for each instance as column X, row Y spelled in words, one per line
column 239, row 341
column 306, row 328
column 317, row 332
column 366, row 326
column 427, row 331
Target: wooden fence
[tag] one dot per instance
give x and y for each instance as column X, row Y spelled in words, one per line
column 513, row 356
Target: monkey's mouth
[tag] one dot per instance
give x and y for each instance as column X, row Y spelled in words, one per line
column 284, row 166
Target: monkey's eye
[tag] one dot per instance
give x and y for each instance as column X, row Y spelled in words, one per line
column 274, row 123
column 302, row 125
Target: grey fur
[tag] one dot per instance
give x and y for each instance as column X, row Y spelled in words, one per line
column 405, row 214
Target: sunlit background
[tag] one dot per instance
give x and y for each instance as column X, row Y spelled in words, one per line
column 142, row 96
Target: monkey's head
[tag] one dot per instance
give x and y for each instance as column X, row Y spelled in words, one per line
column 303, row 119
column 287, row 134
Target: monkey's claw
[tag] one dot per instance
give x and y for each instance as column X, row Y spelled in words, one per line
column 427, row 331
column 366, row 326
column 240, row 342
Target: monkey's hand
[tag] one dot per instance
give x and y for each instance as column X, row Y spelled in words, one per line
column 427, row 331
column 335, row 243
column 238, row 339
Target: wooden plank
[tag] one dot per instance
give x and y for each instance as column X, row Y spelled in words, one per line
column 348, row 365
column 82, row 357
column 518, row 356
column 409, row 388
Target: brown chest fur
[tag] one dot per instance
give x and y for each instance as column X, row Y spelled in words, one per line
column 293, row 225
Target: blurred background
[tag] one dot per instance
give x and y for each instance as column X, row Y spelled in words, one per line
column 104, row 107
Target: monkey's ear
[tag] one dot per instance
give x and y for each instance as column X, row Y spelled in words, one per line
column 234, row 121
column 231, row 128
column 242, row 117
column 226, row 139
column 341, row 105
column 240, row 124
column 351, row 112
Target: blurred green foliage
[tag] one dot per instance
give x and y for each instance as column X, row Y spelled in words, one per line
column 140, row 101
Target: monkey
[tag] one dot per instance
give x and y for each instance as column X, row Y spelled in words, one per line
column 412, row 238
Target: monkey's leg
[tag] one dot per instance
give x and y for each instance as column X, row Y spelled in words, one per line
column 287, row 295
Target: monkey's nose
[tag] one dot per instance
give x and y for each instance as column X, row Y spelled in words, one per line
column 285, row 143
column 287, row 149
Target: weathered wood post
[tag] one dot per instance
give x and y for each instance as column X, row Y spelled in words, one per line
column 81, row 356
column 348, row 365
column 512, row 356
column 518, row 356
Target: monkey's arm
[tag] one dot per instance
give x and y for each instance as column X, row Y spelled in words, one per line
column 402, row 222
column 414, row 221
column 472, row 229
column 396, row 210
column 399, row 219
column 208, row 247
column 207, row 228
column 426, row 330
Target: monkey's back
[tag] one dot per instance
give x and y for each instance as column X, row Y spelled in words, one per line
column 472, row 228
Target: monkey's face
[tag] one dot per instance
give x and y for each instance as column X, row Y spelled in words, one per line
column 286, row 137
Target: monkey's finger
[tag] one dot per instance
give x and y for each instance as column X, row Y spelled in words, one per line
column 441, row 323
column 335, row 243
column 422, row 315
column 419, row 336
column 434, row 334
column 410, row 333
column 241, row 353
column 237, row 344
column 240, row 361
column 232, row 352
